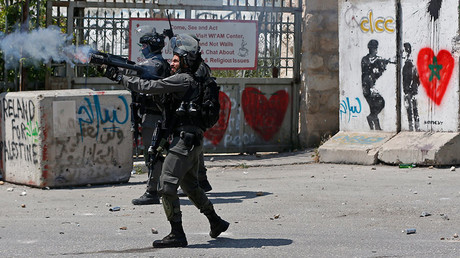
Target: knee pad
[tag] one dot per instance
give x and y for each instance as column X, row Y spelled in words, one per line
column 171, row 206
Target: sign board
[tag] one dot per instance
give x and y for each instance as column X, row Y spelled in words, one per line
column 191, row 2
column 224, row 44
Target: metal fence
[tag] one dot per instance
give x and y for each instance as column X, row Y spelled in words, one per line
column 272, row 89
column 104, row 25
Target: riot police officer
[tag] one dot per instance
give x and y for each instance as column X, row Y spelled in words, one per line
column 150, row 110
column 184, row 124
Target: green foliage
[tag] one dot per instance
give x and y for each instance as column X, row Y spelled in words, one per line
column 9, row 21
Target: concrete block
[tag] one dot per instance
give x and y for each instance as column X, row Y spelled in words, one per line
column 353, row 147
column 65, row 137
column 422, row 148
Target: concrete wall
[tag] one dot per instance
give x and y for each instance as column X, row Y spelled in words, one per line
column 431, row 29
column 319, row 103
column 64, row 138
column 390, row 92
column 368, row 81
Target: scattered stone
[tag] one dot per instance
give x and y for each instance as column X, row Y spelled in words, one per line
column 154, row 231
column 108, row 204
column 24, row 193
column 277, row 216
column 444, row 217
column 211, row 159
column 373, row 168
column 425, row 214
column 410, row 231
column 62, row 233
column 23, row 205
column 10, row 189
column 430, row 176
column 117, row 208
column 1, row 182
column 455, row 235
column 123, row 228
column 452, row 168
column 430, row 167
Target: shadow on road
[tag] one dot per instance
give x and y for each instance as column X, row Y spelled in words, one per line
column 223, row 242
column 229, row 197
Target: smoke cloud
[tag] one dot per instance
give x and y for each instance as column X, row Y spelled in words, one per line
column 41, row 45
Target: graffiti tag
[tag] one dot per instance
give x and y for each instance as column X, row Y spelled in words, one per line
column 378, row 25
column 349, row 111
column 358, row 139
column 95, row 115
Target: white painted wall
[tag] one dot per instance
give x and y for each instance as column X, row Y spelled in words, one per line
column 422, row 30
column 359, row 23
column 66, row 137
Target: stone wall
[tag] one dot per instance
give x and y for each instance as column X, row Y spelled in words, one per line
column 319, row 91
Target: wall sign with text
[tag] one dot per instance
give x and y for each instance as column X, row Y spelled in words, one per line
column 225, row 44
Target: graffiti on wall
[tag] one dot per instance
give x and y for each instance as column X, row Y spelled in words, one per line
column 372, row 67
column 92, row 114
column 348, row 110
column 217, row 132
column 263, row 115
column 372, row 24
column 410, row 82
column 435, row 72
column 24, row 130
column 357, row 139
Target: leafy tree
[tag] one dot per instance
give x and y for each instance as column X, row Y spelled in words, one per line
column 10, row 17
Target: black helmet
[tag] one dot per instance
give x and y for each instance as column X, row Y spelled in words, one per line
column 188, row 49
column 155, row 41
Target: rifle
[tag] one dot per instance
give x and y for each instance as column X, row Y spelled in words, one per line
column 158, row 145
column 100, row 58
column 135, row 119
column 168, row 32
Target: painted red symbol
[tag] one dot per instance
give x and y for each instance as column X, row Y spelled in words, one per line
column 264, row 116
column 217, row 132
column 435, row 72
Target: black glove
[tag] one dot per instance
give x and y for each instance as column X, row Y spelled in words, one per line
column 168, row 33
column 113, row 74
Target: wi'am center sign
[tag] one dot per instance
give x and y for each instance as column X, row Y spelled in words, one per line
column 224, row 44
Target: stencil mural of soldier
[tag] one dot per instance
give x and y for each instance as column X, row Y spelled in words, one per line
column 372, row 67
column 410, row 81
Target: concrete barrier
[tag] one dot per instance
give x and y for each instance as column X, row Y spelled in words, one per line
column 399, row 74
column 65, row 137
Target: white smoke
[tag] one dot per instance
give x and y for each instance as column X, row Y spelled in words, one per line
column 41, row 45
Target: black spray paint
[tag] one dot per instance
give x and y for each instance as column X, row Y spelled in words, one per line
column 434, row 6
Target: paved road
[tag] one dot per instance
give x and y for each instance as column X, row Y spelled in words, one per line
column 291, row 210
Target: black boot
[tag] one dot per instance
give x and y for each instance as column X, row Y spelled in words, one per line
column 175, row 239
column 147, row 198
column 218, row 225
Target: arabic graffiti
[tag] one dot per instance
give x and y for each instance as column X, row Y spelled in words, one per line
column 97, row 117
column 347, row 111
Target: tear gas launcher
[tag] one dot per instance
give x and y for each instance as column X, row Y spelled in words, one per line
column 100, row 58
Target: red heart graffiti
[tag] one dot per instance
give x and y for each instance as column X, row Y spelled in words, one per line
column 264, row 116
column 217, row 132
column 435, row 72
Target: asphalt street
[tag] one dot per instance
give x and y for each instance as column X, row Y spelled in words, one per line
column 280, row 209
